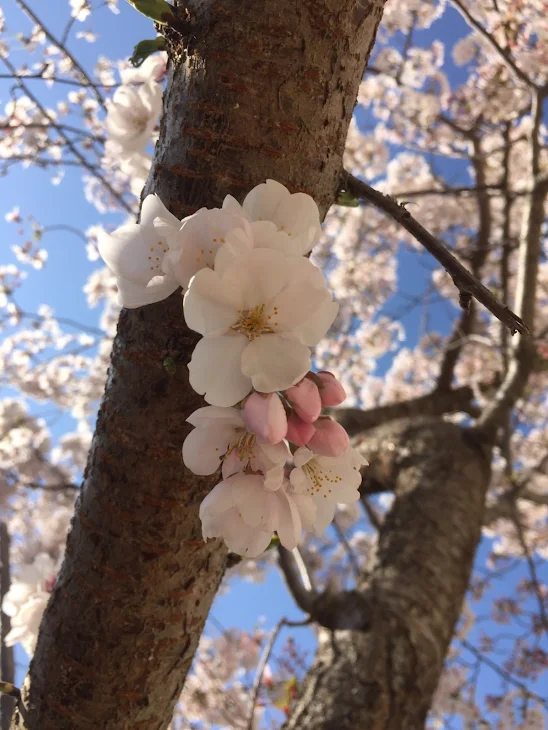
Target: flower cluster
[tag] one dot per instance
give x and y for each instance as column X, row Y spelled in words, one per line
column 26, row 601
column 260, row 305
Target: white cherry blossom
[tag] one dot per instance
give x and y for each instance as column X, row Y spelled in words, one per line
column 294, row 219
column 245, row 514
column 221, row 438
column 133, row 114
column 135, row 253
column 329, row 480
column 26, row 601
column 259, row 316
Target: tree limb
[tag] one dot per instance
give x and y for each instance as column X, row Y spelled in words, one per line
column 466, row 283
column 356, row 421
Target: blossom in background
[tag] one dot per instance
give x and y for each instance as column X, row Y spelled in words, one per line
column 26, row 601
column 133, row 113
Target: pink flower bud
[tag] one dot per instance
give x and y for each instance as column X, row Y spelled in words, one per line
column 332, row 393
column 305, row 399
column 330, row 438
column 298, row 431
column 264, row 415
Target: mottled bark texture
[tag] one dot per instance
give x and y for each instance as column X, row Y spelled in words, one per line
column 383, row 676
column 266, row 91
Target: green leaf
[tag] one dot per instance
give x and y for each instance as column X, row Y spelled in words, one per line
column 347, row 199
column 158, row 10
column 144, row 49
column 169, row 365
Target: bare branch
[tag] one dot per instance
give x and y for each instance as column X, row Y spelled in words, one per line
column 352, row 559
column 516, row 519
column 371, row 514
column 356, row 421
column 297, row 579
column 466, row 283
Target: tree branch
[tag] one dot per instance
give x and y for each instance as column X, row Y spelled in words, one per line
column 297, row 579
column 23, row 5
column 466, row 283
column 355, row 420
column 523, row 357
column 264, row 661
column 75, row 151
column 504, row 55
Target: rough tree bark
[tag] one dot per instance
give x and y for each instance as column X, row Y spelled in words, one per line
column 7, row 664
column 266, row 91
column 382, row 674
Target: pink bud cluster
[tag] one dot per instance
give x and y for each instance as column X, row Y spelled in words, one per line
column 295, row 415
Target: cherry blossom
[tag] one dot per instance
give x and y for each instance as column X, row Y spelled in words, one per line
column 258, row 317
column 328, row 480
column 221, row 438
column 245, row 514
column 26, row 600
column 135, row 253
column 133, row 115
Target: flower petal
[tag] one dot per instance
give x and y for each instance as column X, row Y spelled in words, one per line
column 274, row 362
column 211, row 304
column 132, row 295
column 203, row 448
column 215, row 370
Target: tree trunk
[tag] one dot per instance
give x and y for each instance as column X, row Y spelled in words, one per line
column 265, row 90
column 383, row 677
column 7, row 664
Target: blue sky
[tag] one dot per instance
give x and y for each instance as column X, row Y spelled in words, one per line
column 60, row 283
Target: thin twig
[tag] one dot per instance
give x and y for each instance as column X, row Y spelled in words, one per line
column 265, row 656
column 466, row 283
column 75, row 151
column 23, row 5
column 503, row 673
column 504, row 55
column 352, row 559
column 532, row 569
column 373, row 516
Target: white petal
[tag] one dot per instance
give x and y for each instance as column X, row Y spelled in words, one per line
column 132, row 295
column 299, row 215
column 298, row 304
column 289, row 526
column 275, row 363
column 215, row 416
column 263, row 201
column 203, row 448
column 211, row 304
column 219, row 500
column 260, row 275
column 126, row 252
column 153, row 208
column 215, row 370
column 324, row 514
column 307, row 510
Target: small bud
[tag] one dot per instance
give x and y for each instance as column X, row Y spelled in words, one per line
column 305, row 399
column 331, row 393
column 298, row 431
column 348, row 200
column 264, row 416
column 144, row 49
column 329, row 439
column 169, row 365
